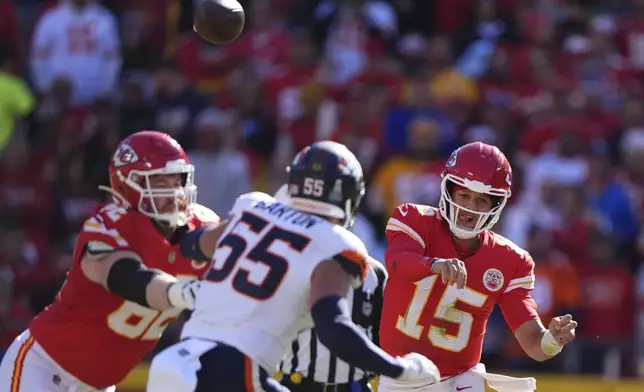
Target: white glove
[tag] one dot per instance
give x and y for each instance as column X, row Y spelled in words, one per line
column 183, row 294
column 418, row 368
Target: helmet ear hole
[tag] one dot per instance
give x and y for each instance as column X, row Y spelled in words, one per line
column 450, row 186
column 496, row 201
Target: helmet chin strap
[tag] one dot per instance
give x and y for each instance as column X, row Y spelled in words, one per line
column 462, row 234
column 163, row 222
column 172, row 220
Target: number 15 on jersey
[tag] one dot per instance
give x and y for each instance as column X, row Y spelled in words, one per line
column 409, row 323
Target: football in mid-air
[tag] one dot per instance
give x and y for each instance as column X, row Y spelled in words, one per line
column 219, row 21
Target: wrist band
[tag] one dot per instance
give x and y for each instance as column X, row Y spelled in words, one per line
column 549, row 345
column 431, row 265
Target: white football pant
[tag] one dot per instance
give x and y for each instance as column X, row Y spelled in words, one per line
column 472, row 380
column 27, row 368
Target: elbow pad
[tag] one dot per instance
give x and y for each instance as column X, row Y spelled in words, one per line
column 129, row 278
column 189, row 245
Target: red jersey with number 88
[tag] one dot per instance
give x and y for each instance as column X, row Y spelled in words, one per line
column 447, row 325
column 95, row 335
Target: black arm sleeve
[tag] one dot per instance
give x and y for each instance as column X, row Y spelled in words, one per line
column 189, row 245
column 129, row 278
column 378, row 302
column 341, row 336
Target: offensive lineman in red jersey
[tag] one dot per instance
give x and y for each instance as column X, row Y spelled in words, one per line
column 113, row 307
column 447, row 270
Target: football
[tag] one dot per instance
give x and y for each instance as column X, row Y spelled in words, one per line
column 219, row 21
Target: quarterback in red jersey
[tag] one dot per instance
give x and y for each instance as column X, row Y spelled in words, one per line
column 122, row 289
column 447, row 270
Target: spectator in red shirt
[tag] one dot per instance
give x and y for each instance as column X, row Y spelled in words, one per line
column 265, row 45
column 607, row 309
column 577, row 224
column 25, row 183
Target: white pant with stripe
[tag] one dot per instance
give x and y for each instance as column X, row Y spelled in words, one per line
column 179, row 367
column 473, row 380
column 26, row 367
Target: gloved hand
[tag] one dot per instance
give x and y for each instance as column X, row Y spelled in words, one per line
column 418, row 368
column 183, row 294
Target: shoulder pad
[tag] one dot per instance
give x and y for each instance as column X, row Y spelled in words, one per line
column 521, row 263
column 352, row 255
column 205, row 214
column 411, row 219
column 349, row 240
column 247, row 200
column 110, row 225
column 502, row 242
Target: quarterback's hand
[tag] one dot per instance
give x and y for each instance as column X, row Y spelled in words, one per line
column 418, row 368
column 451, row 270
column 182, row 294
column 562, row 329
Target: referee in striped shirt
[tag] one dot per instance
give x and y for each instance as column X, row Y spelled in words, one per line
column 310, row 367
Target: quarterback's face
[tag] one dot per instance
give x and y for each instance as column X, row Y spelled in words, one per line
column 166, row 181
column 471, row 200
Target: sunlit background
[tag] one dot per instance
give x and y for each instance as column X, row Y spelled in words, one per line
column 557, row 84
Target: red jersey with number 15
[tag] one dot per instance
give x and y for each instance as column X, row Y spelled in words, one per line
column 95, row 335
column 447, row 325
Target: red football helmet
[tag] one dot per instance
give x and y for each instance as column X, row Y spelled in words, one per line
column 137, row 159
column 480, row 168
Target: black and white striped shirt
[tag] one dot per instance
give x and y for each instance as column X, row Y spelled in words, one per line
column 310, row 358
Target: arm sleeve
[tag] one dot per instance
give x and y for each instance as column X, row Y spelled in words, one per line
column 405, row 256
column 378, row 301
column 344, row 339
column 516, row 303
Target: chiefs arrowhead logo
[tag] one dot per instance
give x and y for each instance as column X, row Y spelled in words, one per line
column 451, row 162
column 508, row 176
column 124, row 155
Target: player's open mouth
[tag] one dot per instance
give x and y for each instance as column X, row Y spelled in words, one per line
column 466, row 219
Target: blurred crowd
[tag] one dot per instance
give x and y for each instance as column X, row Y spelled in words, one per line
column 558, row 85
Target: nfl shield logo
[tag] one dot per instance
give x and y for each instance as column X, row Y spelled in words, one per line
column 367, row 308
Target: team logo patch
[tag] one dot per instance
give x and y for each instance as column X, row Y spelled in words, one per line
column 493, row 279
column 172, row 257
column 125, row 155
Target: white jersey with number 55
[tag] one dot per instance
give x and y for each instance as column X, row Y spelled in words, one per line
column 255, row 296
